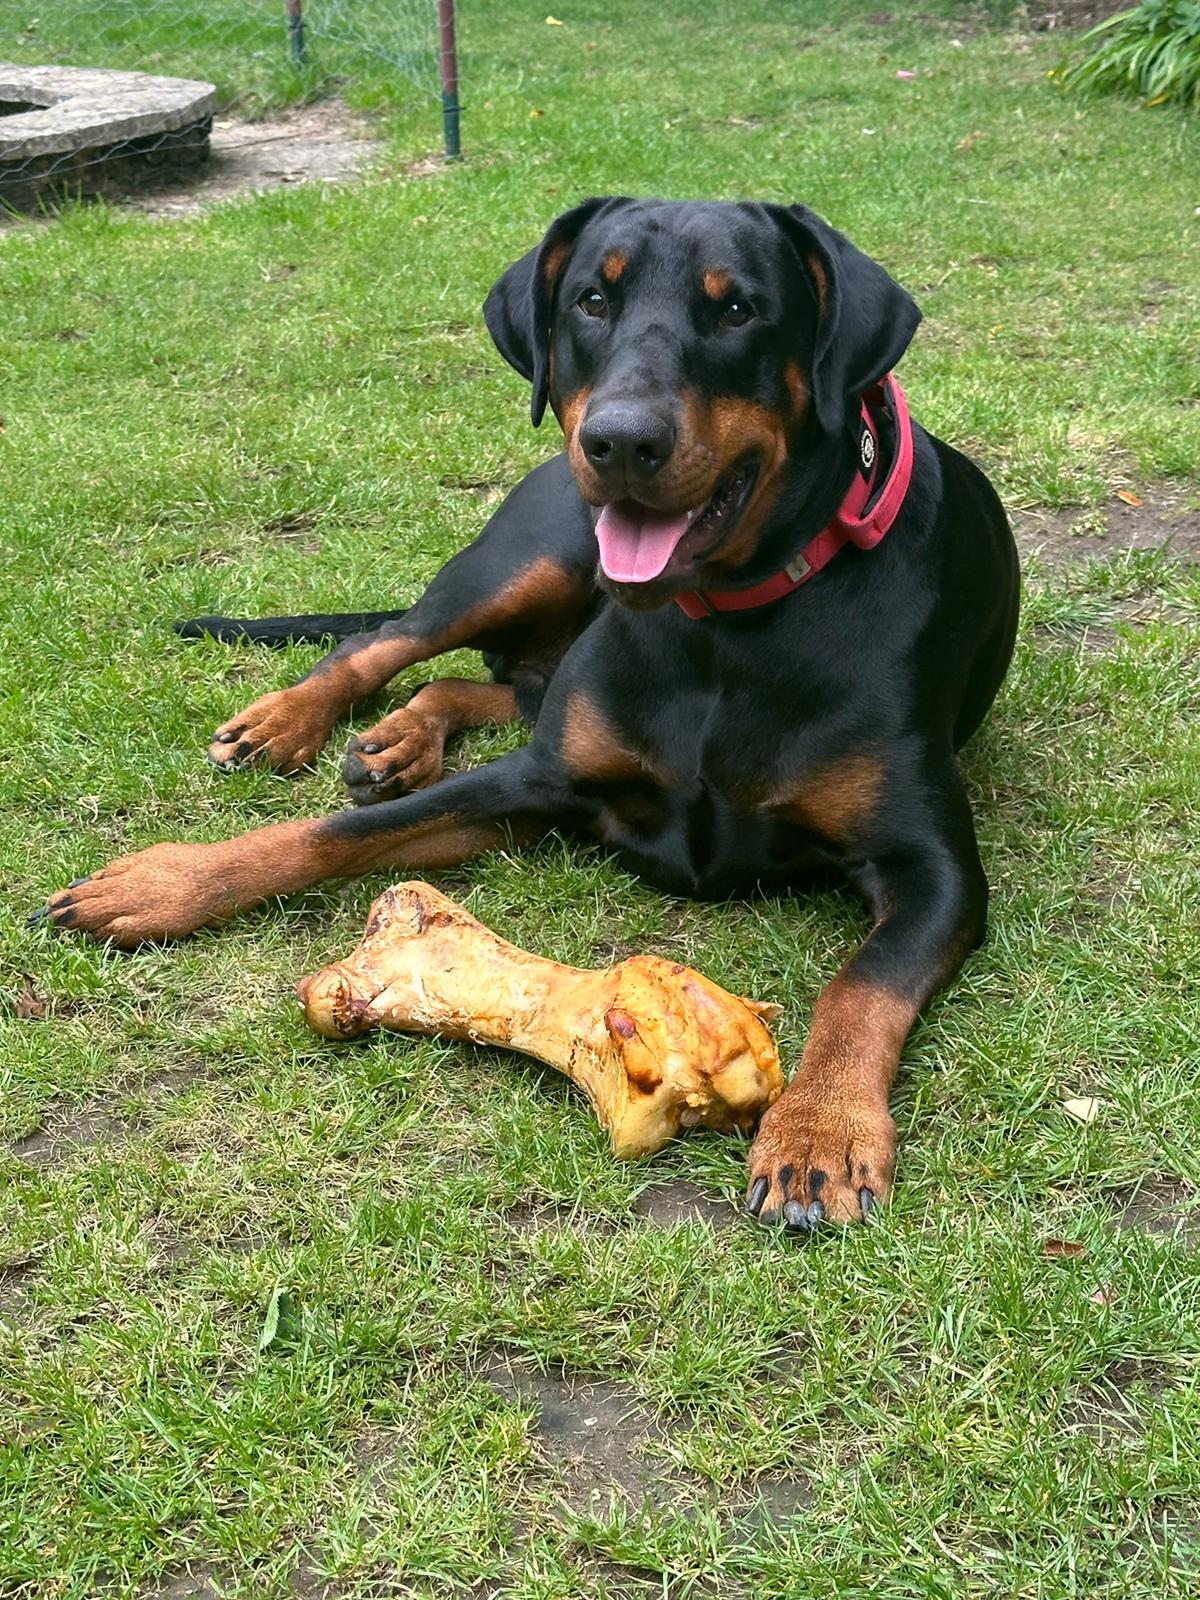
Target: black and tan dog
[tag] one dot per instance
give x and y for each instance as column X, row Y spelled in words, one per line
column 751, row 613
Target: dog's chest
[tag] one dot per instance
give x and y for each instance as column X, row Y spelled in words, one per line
column 708, row 794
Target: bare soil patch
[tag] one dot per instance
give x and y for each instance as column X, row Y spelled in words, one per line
column 773, row 1501
column 14, row 1303
column 549, row 1216
column 601, row 1439
column 668, row 1204
column 198, row 1583
column 323, row 143
column 1072, row 13
column 65, row 1131
column 1163, row 521
column 594, row 1434
column 1161, row 1207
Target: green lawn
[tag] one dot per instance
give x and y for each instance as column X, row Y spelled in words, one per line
column 290, row 404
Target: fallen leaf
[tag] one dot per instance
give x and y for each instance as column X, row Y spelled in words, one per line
column 29, row 1007
column 281, row 1325
column 1084, row 1109
column 1129, row 499
column 553, row 22
column 534, row 115
column 902, row 74
column 1063, row 1247
column 968, row 139
column 1104, row 1296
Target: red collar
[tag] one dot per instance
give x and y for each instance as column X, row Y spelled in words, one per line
column 852, row 523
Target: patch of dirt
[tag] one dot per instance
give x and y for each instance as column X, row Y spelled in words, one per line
column 602, row 1579
column 14, row 1303
column 1053, row 14
column 1135, row 611
column 609, row 952
column 595, row 1434
column 307, row 1583
column 178, row 1249
column 772, row 1501
column 376, row 1452
column 601, row 1439
column 1105, row 1416
column 197, row 1583
column 484, row 490
column 668, row 1204
column 64, row 1131
column 1104, row 1410
column 322, row 143
column 548, row 1217
column 1163, row 522
column 1161, row 1207
column 1111, row 887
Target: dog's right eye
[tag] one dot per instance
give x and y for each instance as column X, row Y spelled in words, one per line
column 593, row 304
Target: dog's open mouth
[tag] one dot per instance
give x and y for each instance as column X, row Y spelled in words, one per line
column 637, row 543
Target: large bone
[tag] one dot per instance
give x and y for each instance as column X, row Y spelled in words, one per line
column 655, row 1046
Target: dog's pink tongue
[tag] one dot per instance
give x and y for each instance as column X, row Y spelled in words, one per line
column 636, row 544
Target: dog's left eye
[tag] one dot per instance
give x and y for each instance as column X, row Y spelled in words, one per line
column 593, row 304
column 736, row 314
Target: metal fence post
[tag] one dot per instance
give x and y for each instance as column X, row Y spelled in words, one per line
column 448, row 62
column 295, row 19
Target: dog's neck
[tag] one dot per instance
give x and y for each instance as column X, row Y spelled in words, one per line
column 843, row 491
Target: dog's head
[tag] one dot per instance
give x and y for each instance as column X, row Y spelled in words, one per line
column 697, row 356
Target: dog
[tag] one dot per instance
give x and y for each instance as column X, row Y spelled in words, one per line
column 751, row 612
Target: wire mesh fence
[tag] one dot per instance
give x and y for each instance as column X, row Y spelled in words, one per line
column 63, row 134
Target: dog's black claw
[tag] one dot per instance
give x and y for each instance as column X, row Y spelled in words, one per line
column 378, row 777
column 370, row 749
column 75, row 882
column 795, row 1216
column 814, row 1213
column 866, row 1200
column 758, row 1193
column 769, row 1218
column 39, row 915
column 224, row 738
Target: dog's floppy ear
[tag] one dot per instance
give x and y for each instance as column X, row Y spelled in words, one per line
column 519, row 305
column 865, row 320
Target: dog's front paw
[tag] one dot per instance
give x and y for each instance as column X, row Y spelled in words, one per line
column 399, row 754
column 285, row 731
column 812, row 1161
column 165, row 892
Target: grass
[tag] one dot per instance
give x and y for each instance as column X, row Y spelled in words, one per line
column 289, row 404
column 240, row 45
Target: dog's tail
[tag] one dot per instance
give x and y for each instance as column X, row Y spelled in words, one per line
column 278, row 631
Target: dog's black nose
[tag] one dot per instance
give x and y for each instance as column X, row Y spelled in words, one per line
column 629, row 439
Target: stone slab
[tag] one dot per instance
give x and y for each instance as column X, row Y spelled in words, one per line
column 89, row 108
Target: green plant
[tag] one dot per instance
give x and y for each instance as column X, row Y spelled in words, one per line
column 1152, row 51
